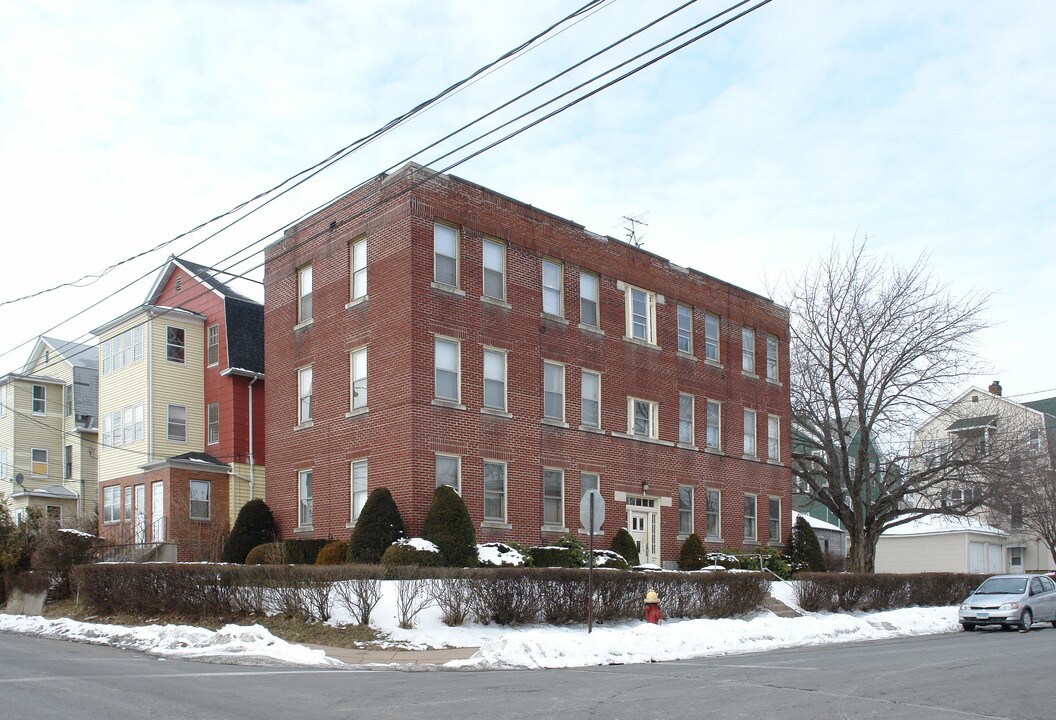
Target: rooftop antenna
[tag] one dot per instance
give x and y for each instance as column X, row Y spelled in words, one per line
column 631, row 229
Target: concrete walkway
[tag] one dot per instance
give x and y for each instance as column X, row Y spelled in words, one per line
column 356, row 656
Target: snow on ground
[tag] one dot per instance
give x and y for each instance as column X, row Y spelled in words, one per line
column 536, row 646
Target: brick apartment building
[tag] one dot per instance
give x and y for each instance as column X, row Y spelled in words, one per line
column 523, row 360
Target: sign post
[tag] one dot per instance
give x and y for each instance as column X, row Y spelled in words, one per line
column 591, row 516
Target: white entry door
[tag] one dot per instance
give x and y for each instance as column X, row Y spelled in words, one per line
column 141, row 513
column 157, row 512
column 642, row 524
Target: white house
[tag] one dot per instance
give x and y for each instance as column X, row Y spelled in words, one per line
column 944, row 543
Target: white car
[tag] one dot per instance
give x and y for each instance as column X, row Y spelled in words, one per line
column 1010, row 601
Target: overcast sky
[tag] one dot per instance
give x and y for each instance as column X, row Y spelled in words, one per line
column 929, row 127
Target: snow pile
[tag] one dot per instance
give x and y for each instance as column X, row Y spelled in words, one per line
column 251, row 644
column 79, row 533
column 496, row 554
column 419, row 544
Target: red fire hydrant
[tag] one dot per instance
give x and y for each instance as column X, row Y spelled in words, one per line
column 653, row 614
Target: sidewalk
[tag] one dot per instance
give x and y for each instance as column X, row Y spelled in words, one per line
column 355, row 656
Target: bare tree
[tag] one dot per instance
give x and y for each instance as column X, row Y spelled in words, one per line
column 875, row 347
column 1031, row 505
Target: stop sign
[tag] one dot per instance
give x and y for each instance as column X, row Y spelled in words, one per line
column 585, row 521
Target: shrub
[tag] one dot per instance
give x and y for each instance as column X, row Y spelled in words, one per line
column 576, row 552
column 609, row 559
column 449, row 527
column 359, row 596
column 302, row 552
column 454, row 595
column 333, row 553
column 266, row 554
column 767, row 558
column 505, row 596
column 379, row 526
column 255, row 525
column 849, row 592
column 58, row 550
column 624, row 544
column 804, row 551
column 497, row 554
column 723, row 559
column 412, row 552
column 693, row 556
column 551, row 556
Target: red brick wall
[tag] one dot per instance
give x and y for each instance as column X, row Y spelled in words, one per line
column 404, row 429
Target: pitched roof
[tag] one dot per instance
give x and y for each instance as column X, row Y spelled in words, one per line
column 245, row 335
column 972, row 423
column 1045, row 405
column 210, row 277
column 940, row 524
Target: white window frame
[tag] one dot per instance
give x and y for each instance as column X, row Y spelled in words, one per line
column 588, row 300
column 127, row 505
column 357, row 271
column 39, row 404
column 112, row 504
column 118, row 424
column 438, row 458
column 201, row 485
column 67, row 463
column 588, row 481
column 358, row 370
column 751, row 447
column 304, row 498
column 305, row 311
column 712, row 338
column 748, row 350
column 686, row 501
column 3, row 400
column 775, row 520
column 128, row 423
column 559, row 369
column 3, row 463
column 212, row 419
column 492, row 493
column 553, row 293
column 440, row 237
column 67, row 400
column 138, row 415
column 489, row 248
column 170, row 423
column 34, row 462
column 304, row 395
column 684, row 318
column 684, row 437
column 772, row 366
column 106, row 430
column 652, row 420
column 585, row 401
column 751, row 519
column 358, row 482
column 551, row 501
column 773, row 438
column 438, row 341
column 498, row 384
column 648, row 320
column 175, row 350
column 212, row 345
column 713, row 441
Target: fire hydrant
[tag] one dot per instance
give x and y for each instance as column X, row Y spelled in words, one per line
column 653, row 614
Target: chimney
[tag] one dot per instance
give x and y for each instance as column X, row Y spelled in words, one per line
column 995, row 388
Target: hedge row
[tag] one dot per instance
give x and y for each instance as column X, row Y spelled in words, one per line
column 847, row 592
column 503, row 596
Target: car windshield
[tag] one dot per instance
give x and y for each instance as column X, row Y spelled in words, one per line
column 1002, row 586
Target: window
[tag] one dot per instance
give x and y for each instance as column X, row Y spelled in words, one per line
column 748, row 350
column 138, row 415
column 3, row 400
column 1034, row 440
column 775, row 521
column 641, row 417
column 446, row 368
column 119, row 428
column 39, row 466
column 553, row 497
column 449, row 472
column 304, row 294
column 212, row 345
column 711, row 338
column 494, row 491
column 771, row 358
column 107, row 431
column 588, row 299
column 494, row 260
column 304, row 395
column 40, row 400
column 3, row 463
column 1016, row 516
column 445, row 255
column 750, row 532
column 175, row 344
column 553, row 391
column 713, row 519
column 685, row 329
column 749, row 432
column 304, row 498
column 641, row 314
column 213, row 412
column 714, row 435
column 111, row 504
column 357, row 367
column 773, row 438
column 121, row 350
column 590, row 397
column 359, row 487
column 588, row 481
column 128, row 503
column 67, row 465
column 357, row 257
column 67, row 399
column 685, row 419
column 177, row 423
column 685, row 510
column 494, row 379
column 200, row 493
column 128, row 422
column 553, row 286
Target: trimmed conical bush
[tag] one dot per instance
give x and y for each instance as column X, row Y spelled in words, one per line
column 449, row 527
column 255, row 525
column 624, row 544
column 379, row 525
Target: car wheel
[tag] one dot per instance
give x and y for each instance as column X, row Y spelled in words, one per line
column 1026, row 620
column 971, row 626
column 1006, row 627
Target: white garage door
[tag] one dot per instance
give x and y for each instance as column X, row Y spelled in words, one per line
column 994, row 564
column 976, row 557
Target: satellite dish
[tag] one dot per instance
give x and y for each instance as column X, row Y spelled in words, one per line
column 18, row 478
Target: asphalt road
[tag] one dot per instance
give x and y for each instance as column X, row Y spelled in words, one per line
column 962, row 675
